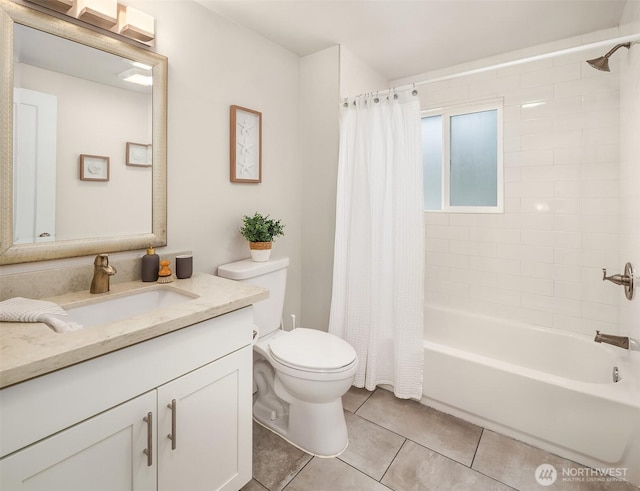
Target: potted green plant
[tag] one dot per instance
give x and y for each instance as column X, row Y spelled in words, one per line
column 260, row 231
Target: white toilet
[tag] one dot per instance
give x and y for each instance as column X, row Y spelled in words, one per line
column 300, row 375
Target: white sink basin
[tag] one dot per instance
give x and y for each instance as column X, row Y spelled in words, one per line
column 115, row 309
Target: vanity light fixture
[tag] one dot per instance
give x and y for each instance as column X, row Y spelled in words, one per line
column 135, row 24
column 107, row 14
column 137, row 76
column 101, row 13
column 58, row 5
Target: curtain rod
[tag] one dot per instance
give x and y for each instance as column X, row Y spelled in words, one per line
column 529, row 59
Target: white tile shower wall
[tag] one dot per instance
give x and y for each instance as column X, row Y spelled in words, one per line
column 540, row 261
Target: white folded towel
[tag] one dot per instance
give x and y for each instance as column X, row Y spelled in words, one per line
column 19, row 309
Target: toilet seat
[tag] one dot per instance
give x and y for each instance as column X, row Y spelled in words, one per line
column 311, row 350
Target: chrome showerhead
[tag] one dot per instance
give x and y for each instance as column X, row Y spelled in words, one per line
column 602, row 63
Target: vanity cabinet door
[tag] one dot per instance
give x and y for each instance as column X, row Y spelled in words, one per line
column 105, row 452
column 208, row 415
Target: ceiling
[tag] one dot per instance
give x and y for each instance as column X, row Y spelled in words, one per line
column 401, row 38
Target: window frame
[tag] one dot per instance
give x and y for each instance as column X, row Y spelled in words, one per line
column 446, row 114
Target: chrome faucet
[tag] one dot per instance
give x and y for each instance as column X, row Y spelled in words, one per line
column 619, row 341
column 101, row 273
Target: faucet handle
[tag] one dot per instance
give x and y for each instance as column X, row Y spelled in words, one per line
column 618, row 279
column 626, row 279
column 614, row 278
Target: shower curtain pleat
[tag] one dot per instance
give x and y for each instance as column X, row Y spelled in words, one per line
column 378, row 286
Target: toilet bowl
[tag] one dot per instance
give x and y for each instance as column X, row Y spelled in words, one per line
column 301, row 375
column 310, row 413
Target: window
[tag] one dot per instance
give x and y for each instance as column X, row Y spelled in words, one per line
column 462, row 158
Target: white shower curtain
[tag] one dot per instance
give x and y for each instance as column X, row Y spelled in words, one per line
column 378, row 286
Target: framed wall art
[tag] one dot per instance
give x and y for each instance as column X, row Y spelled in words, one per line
column 94, row 168
column 139, row 154
column 246, row 145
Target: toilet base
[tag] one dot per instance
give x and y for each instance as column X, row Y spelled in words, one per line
column 317, row 429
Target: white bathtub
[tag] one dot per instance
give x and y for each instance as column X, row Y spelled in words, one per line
column 545, row 387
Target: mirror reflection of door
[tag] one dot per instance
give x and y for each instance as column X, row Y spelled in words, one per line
column 34, row 146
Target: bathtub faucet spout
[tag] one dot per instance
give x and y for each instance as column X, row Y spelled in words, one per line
column 619, row 341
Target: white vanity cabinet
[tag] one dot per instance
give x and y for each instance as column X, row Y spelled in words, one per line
column 104, row 424
column 211, row 407
column 104, row 453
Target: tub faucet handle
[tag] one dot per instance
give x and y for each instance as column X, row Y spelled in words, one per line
column 618, row 279
column 625, row 280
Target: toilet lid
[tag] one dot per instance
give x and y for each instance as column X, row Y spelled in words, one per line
column 312, row 350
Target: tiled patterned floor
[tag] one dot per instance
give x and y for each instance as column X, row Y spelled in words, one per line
column 402, row 445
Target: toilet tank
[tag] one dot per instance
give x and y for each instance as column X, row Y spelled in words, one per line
column 270, row 274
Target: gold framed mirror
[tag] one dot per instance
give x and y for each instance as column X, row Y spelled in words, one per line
column 106, row 207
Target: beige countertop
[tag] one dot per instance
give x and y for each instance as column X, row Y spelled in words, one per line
column 28, row 350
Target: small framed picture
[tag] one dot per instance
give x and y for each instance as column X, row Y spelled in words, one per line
column 139, row 154
column 94, row 168
column 246, row 145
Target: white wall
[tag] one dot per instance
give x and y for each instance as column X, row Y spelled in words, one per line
column 356, row 77
column 325, row 77
column 213, row 64
column 539, row 262
column 319, row 98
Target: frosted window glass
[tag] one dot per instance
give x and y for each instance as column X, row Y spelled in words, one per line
column 432, row 162
column 474, row 159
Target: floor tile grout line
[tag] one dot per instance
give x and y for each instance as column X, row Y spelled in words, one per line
column 482, row 473
column 425, row 446
column 417, row 443
column 477, row 447
column 263, row 485
column 371, row 392
column 363, row 472
column 393, row 460
column 456, row 462
column 298, row 472
column 406, row 438
column 389, row 467
column 495, row 480
column 259, row 483
column 380, row 426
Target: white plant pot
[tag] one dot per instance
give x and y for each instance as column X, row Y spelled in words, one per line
column 260, row 255
column 260, row 251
